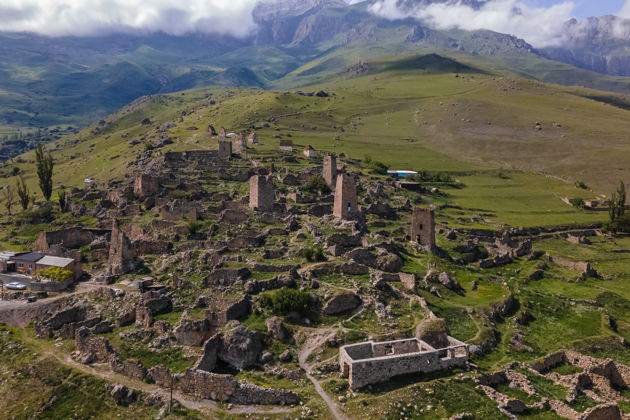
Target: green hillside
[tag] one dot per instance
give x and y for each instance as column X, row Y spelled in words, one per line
column 411, row 114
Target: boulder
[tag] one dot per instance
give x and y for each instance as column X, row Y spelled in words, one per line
column 122, row 395
column 341, row 304
column 276, row 328
column 240, row 347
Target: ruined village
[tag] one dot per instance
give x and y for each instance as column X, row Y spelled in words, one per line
column 266, row 258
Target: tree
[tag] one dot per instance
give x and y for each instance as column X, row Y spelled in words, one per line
column 61, row 196
column 8, row 197
column 45, row 166
column 23, row 194
column 617, row 203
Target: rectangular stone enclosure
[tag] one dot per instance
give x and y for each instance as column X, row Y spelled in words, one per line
column 422, row 228
column 369, row 362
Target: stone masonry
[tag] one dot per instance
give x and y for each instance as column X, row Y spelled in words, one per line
column 145, row 186
column 422, row 228
column 225, row 149
column 329, row 172
column 345, row 206
column 261, row 193
column 369, row 362
column 121, row 253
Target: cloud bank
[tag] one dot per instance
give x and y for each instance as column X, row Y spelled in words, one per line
column 540, row 26
column 95, row 17
column 625, row 10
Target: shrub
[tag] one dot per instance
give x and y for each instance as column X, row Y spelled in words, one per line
column 378, row 168
column 43, row 214
column 284, row 301
column 314, row 254
column 581, row 185
column 316, row 184
column 193, row 227
column 56, row 274
column 578, row 203
column 620, row 224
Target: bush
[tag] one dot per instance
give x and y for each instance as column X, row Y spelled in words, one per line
column 314, row 254
column 581, row 185
column 56, row 274
column 316, row 184
column 284, row 301
column 620, row 224
column 193, row 227
column 578, row 203
column 378, row 168
column 43, row 214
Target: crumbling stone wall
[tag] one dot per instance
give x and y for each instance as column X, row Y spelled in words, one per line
column 146, row 186
column 72, row 238
column 345, row 206
column 422, row 228
column 369, row 362
column 225, row 150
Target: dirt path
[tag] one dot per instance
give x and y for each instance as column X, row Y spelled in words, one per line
column 315, row 340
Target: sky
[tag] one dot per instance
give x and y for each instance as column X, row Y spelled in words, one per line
column 539, row 22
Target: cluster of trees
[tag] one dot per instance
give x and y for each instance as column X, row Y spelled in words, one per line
column 56, row 274
column 20, row 194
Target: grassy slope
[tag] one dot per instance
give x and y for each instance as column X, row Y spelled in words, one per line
column 405, row 118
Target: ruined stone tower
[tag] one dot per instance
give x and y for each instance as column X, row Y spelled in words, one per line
column 422, row 228
column 345, row 206
column 145, row 186
column 329, row 172
column 261, row 193
column 239, row 144
column 121, row 253
column 222, row 133
column 225, row 149
column 252, row 139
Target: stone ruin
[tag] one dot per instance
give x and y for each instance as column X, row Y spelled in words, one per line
column 252, row 139
column 422, row 229
column 599, row 379
column 145, row 186
column 225, row 149
column 122, row 258
column 239, row 144
column 369, row 362
column 345, row 206
column 329, row 170
column 261, row 193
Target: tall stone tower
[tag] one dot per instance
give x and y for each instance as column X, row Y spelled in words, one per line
column 261, row 193
column 225, row 149
column 121, row 253
column 345, row 206
column 329, row 172
column 422, row 228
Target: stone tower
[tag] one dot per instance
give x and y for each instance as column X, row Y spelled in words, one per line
column 121, row 253
column 329, row 172
column 225, row 149
column 145, row 186
column 239, row 144
column 252, row 139
column 422, row 228
column 261, row 193
column 345, row 206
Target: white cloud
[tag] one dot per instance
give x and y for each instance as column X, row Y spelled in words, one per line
column 540, row 26
column 93, row 17
column 625, row 10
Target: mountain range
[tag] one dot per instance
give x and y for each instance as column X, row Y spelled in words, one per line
column 75, row 80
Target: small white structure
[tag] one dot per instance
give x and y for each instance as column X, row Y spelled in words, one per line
column 309, row 152
column 286, row 145
column 401, row 174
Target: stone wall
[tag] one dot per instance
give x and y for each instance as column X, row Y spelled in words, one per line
column 121, row 254
column 72, row 238
column 146, row 186
column 365, row 363
column 225, row 149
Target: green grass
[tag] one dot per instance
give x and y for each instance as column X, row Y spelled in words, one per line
column 567, row 369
